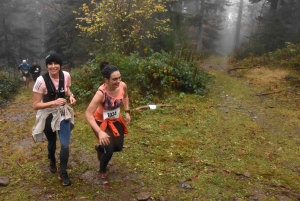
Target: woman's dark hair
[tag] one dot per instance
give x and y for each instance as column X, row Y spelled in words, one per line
column 107, row 69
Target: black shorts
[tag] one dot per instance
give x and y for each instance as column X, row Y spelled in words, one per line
column 26, row 75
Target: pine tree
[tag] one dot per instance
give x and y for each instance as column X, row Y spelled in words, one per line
column 16, row 38
column 61, row 34
column 275, row 26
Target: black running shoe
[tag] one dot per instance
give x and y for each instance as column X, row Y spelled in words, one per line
column 53, row 167
column 99, row 153
column 65, row 179
column 103, row 179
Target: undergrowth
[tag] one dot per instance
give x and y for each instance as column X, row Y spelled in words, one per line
column 154, row 76
column 285, row 57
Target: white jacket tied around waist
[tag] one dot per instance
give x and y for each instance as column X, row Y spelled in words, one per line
column 64, row 112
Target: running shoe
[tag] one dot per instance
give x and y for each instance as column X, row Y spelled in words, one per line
column 53, row 167
column 65, row 179
column 103, row 178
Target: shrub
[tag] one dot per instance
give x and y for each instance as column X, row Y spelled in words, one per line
column 153, row 76
column 9, row 84
column 160, row 73
column 85, row 81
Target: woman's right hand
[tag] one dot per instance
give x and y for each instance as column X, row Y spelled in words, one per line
column 59, row 102
column 103, row 138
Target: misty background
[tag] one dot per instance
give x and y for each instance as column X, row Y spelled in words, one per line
column 31, row 28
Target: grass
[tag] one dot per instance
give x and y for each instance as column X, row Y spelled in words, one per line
column 229, row 144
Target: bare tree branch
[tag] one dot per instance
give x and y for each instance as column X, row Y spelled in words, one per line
column 267, row 93
column 52, row 6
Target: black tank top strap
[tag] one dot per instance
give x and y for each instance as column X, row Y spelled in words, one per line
column 103, row 94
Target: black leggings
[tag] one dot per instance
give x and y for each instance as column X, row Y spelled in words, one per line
column 115, row 145
column 64, row 137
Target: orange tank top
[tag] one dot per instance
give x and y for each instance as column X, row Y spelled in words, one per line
column 109, row 103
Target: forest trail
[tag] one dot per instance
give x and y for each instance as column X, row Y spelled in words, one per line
column 216, row 64
column 261, row 131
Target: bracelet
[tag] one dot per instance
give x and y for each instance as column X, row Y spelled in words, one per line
column 127, row 111
column 71, row 95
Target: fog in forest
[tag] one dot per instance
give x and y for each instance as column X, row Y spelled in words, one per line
column 30, row 28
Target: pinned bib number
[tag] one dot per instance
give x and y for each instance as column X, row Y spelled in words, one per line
column 111, row 114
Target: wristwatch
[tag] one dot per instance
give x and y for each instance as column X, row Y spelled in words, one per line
column 127, row 111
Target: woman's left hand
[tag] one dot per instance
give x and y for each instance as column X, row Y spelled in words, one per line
column 127, row 118
column 72, row 100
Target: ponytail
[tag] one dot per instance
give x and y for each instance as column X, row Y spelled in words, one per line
column 107, row 69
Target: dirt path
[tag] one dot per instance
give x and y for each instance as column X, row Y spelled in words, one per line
column 217, row 64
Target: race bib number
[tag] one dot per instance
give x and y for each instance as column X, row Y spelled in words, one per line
column 111, row 114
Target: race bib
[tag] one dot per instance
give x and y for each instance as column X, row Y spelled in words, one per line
column 25, row 72
column 111, row 114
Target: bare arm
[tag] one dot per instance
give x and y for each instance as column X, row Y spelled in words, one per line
column 72, row 98
column 68, row 90
column 96, row 101
column 126, row 104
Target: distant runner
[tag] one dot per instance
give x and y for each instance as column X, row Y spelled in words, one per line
column 35, row 70
column 24, row 70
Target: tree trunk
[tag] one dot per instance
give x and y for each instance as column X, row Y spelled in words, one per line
column 291, row 5
column 5, row 44
column 238, row 25
column 200, row 26
column 273, row 7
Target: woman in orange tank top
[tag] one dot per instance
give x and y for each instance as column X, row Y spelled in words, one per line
column 103, row 115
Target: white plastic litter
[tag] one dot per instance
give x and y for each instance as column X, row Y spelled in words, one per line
column 152, row 107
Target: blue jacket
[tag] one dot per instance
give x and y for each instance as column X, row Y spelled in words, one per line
column 23, row 67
